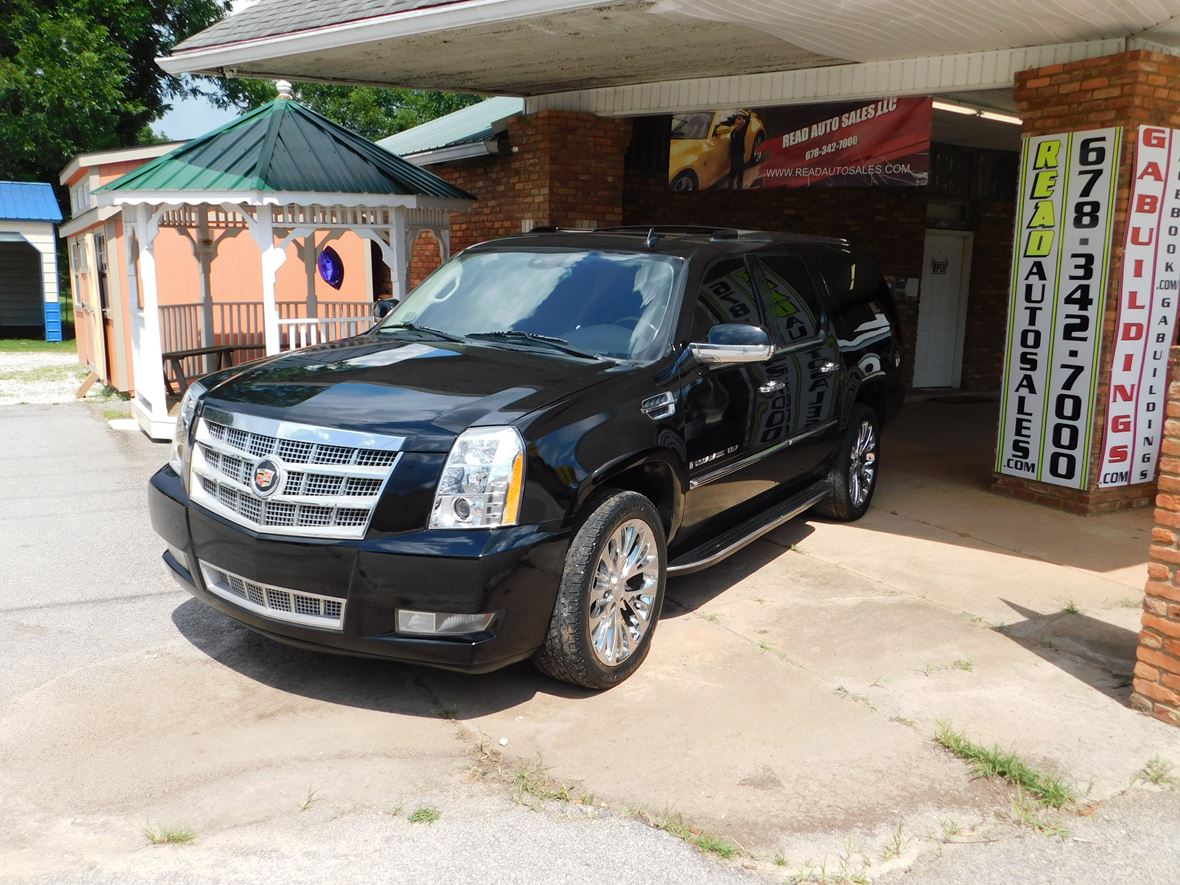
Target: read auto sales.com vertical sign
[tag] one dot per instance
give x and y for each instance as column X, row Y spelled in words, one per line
column 1059, row 271
column 1147, row 313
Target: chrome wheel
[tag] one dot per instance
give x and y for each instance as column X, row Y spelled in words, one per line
column 862, row 471
column 623, row 592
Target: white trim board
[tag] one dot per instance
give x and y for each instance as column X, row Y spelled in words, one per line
column 966, row 71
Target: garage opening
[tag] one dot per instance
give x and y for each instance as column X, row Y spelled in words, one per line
column 21, row 291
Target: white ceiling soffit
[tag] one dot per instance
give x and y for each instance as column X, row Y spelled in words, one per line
column 962, row 72
column 873, row 30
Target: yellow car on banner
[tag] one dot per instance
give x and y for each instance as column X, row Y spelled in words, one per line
column 704, row 151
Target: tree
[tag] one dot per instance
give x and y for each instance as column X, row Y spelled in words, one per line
column 371, row 112
column 80, row 75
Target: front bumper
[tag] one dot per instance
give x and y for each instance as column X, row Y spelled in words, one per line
column 514, row 572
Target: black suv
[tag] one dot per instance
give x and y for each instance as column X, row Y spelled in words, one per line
column 511, row 463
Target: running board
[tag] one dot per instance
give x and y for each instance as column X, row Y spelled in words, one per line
column 734, row 539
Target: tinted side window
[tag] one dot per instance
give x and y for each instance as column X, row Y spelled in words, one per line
column 792, row 305
column 726, row 296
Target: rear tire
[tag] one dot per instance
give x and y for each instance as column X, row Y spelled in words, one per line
column 853, row 478
column 612, row 590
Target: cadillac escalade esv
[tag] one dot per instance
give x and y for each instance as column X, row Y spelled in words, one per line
column 512, row 462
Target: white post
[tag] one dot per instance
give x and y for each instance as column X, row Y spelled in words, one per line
column 149, row 379
column 273, row 257
column 204, row 249
column 397, row 241
column 309, row 267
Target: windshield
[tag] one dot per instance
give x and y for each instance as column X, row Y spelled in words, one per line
column 611, row 304
column 691, row 125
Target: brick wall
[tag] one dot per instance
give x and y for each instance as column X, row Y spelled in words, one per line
column 554, row 168
column 425, row 257
column 1127, row 89
column 1156, row 686
column 987, row 302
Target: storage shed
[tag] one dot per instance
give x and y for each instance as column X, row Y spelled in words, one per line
column 29, row 305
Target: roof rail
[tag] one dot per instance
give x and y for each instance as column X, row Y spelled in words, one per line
column 715, row 232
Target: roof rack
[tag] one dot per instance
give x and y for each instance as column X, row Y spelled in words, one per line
column 717, row 233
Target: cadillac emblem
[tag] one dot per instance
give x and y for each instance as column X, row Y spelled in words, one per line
column 267, row 477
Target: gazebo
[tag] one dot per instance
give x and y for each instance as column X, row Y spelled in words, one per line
column 286, row 176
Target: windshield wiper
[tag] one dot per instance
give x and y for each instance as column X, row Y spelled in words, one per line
column 414, row 327
column 536, row 337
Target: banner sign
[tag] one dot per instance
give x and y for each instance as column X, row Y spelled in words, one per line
column 883, row 143
column 1147, row 313
column 1059, row 271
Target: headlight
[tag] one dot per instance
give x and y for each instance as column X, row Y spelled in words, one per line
column 482, row 480
column 178, row 456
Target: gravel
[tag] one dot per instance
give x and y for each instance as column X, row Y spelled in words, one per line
column 31, row 377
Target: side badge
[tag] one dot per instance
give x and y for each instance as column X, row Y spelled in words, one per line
column 660, row 406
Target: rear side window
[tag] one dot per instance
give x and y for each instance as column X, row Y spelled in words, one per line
column 792, row 304
column 726, row 296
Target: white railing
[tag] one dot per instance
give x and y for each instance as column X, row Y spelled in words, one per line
column 303, row 332
column 240, row 323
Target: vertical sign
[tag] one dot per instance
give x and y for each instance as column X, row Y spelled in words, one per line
column 1059, row 271
column 1147, row 313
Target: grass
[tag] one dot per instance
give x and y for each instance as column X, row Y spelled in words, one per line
column 842, row 692
column 309, row 800
column 950, row 829
column 992, row 763
column 903, row 720
column 675, row 825
column 532, row 781
column 44, row 374
column 115, row 414
column 36, row 345
column 1157, row 771
column 896, row 844
column 963, row 664
column 1070, row 607
column 427, row 814
column 1027, row 813
column 167, row 835
column 1130, row 602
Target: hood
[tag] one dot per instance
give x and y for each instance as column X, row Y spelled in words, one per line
column 426, row 391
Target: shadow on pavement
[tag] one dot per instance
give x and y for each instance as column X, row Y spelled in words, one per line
column 366, row 683
column 1099, row 654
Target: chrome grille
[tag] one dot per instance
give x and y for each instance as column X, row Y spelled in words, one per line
column 331, row 479
column 295, row 606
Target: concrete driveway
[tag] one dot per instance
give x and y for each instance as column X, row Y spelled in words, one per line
column 784, row 716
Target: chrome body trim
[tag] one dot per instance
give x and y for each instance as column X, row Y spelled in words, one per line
column 330, row 480
column 758, row 456
column 276, row 603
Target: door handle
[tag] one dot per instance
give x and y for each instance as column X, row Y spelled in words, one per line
column 771, row 387
column 828, row 367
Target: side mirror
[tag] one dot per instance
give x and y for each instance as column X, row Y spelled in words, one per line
column 383, row 308
column 733, row 343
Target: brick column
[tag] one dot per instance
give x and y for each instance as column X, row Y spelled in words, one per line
column 561, row 168
column 1156, row 686
column 1127, row 89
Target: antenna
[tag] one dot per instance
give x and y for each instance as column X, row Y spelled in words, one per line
column 651, row 239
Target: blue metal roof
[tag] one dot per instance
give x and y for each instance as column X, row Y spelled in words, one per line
column 472, row 123
column 28, row 201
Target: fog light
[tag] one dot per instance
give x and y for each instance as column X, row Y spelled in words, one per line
column 441, row 623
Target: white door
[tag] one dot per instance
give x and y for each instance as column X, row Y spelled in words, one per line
column 942, row 310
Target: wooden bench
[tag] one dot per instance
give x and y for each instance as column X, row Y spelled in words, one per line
column 177, row 357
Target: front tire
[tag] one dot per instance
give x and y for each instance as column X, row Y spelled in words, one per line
column 685, row 181
column 854, row 474
column 612, row 590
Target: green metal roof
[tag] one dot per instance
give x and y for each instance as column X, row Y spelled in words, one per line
column 284, row 146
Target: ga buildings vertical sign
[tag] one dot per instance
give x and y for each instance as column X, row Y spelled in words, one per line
column 1147, row 313
column 1059, row 271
